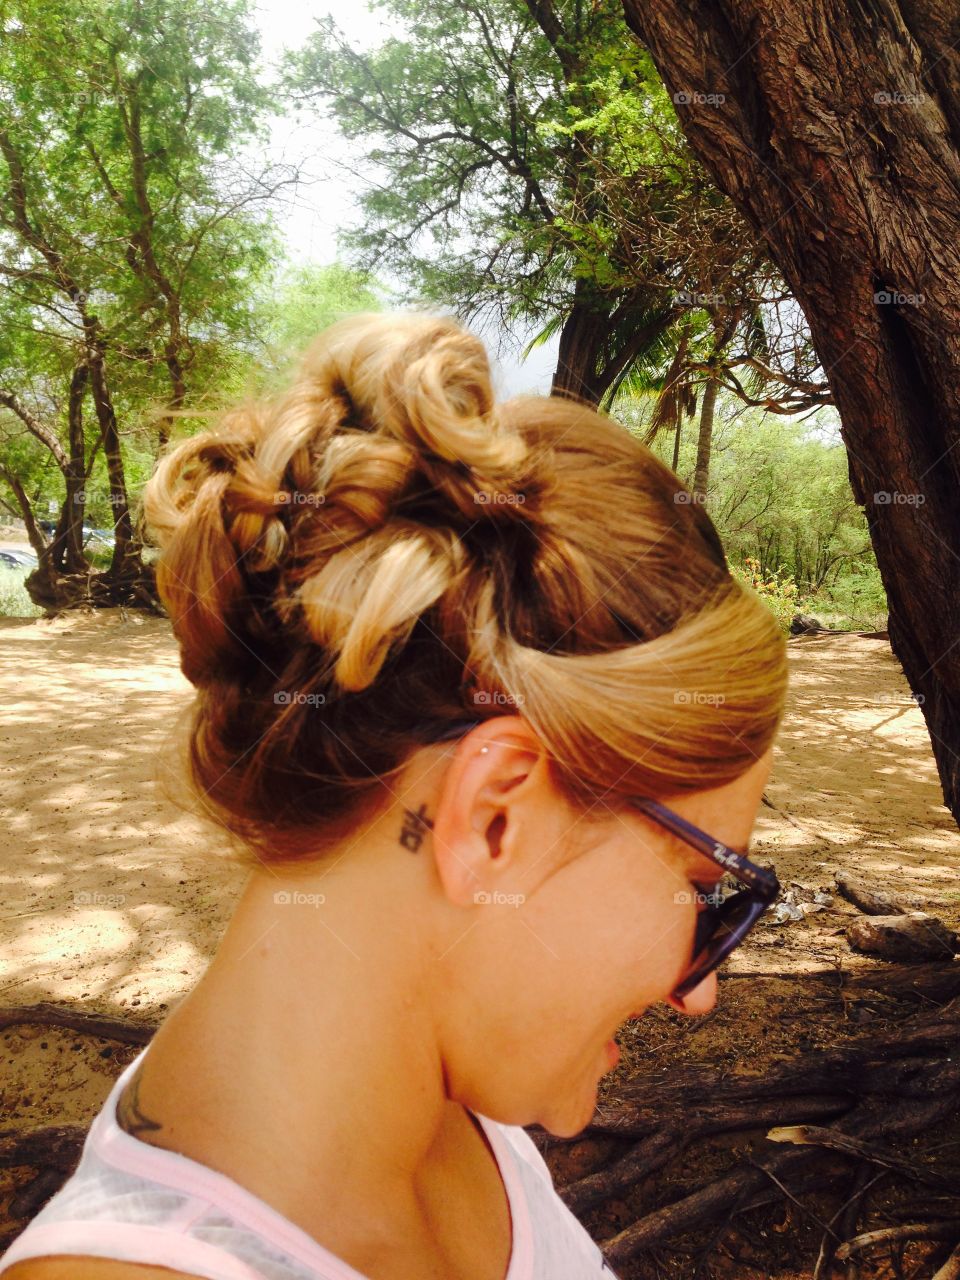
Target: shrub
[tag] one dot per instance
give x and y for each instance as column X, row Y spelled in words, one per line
column 14, row 601
column 778, row 590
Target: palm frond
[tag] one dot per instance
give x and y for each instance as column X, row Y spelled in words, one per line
column 757, row 344
column 673, row 399
column 553, row 326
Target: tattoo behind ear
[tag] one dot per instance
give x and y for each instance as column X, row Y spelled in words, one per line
column 415, row 826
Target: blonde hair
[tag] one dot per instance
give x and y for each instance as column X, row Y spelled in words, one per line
column 385, row 551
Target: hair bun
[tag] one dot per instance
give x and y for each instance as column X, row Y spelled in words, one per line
column 422, row 379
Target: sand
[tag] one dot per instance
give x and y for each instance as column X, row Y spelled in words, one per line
column 115, row 899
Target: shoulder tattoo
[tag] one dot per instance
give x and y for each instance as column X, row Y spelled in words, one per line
column 130, row 1115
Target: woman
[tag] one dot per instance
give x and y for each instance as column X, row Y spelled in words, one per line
column 466, row 674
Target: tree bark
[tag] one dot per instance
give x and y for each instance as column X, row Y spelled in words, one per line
column 701, row 476
column 123, row 547
column 598, row 347
column 581, row 341
column 834, row 126
column 916, row 936
column 871, row 899
column 70, row 557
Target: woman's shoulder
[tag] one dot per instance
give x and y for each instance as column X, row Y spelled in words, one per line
column 76, row 1267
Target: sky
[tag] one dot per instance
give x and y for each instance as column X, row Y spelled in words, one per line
column 325, row 199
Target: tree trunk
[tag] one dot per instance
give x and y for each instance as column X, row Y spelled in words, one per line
column 581, row 343
column 123, row 547
column 128, row 581
column 602, row 337
column 178, row 386
column 834, row 126
column 26, row 510
column 701, row 476
column 71, row 558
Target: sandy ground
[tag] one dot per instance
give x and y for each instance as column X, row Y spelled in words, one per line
column 115, row 899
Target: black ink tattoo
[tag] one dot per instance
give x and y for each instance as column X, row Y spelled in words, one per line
column 415, row 827
column 129, row 1115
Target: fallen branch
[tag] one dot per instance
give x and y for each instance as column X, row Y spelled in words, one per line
column 657, row 1150
column 872, row 899
column 88, row 1024
column 895, row 1064
column 55, row 1147
column 904, row 937
column 848, row 1215
column 30, row 1199
column 937, row 982
column 951, row 1268
column 749, row 1184
column 945, row 1230
column 806, row 1134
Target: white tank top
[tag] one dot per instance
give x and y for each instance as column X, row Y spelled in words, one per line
column 131, row 1201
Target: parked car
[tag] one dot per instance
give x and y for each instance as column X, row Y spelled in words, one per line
column 24, row 557
column 103, row 536
column 8, row 561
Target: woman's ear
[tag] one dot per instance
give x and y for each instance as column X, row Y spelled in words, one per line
column 478, row 821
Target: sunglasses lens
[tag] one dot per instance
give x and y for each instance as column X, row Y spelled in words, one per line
column 719, row 930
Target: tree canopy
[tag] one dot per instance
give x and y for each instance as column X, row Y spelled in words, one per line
column 131, row 234
column 528, row 162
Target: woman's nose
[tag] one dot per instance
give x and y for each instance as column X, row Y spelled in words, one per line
column 698, row 1001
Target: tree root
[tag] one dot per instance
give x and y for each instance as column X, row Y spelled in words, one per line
column 856, row 1103
column 875, row 1091
column 949, row 1229
column 88, row 1024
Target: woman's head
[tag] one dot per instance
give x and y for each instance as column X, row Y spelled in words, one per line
column 550, row 931
column 386, row 550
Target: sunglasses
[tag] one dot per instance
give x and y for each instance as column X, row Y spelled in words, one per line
column 721, row 925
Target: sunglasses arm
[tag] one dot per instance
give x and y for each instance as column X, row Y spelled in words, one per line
column 764, row 883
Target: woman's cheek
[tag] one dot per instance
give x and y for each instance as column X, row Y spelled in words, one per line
column 665, row 953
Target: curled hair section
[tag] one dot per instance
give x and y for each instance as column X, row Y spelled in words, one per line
column 385, row 549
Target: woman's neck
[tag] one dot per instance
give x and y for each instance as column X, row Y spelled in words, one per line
column 304, row 1064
